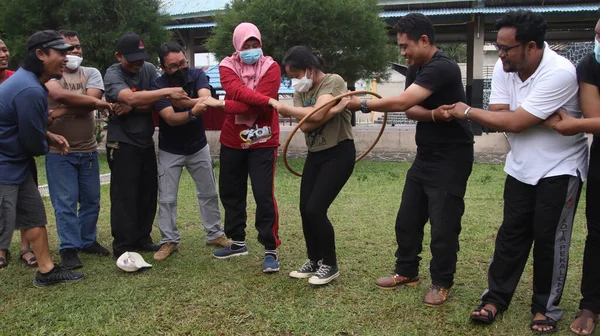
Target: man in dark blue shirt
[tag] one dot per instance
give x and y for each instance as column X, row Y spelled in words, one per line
column 23, row 135
column 182, row 143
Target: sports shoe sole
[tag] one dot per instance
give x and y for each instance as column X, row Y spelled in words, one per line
column 46, row 284
column 407, row 284
column 232, row 255
column 270, row 270
column 318, row 282
column 298, row 275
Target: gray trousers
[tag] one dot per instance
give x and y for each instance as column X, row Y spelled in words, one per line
column 199, row 165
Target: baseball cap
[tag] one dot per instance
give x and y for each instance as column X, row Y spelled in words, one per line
column 132, row 47
column 47, row 39
column 131, row 262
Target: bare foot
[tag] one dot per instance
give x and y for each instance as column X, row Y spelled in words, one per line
column 540, row 327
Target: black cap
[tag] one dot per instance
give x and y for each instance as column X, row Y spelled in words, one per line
column 47, row 39
column 132, row 47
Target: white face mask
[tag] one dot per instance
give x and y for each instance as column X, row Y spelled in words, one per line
column 73, row 62
column 303, row 84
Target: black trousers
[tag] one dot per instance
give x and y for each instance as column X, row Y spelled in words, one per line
column 590, row 282
column 133, row 192
column 434, row 190
column 543, row 214
column 324, row 175
column 235, row 167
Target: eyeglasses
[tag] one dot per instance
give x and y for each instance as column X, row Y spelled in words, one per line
column 504, row 49
column 181, row 65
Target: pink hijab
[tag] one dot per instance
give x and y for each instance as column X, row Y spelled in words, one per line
column 250, row 75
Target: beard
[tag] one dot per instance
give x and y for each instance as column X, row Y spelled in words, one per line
column 510, row 67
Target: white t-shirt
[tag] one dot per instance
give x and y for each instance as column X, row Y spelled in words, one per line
column 539, row 151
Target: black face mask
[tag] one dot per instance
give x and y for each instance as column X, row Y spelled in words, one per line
column 181, row 75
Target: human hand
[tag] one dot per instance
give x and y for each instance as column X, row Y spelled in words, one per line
column 121, row 109
column 102, row 105
column 212, row 102
column 59, row 141
column 563, row 123
column 177, row 93
column 442, row 113
column 354, row 104
column 457, row 111
column 199, row 108
column 341, row 105
column 181, row 103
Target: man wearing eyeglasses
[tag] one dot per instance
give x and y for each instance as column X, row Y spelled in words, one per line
column 130, row 146
column 545, row 170
column 182, row 143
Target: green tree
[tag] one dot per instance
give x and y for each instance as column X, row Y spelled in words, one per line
column 349, row 33
column 456, row 51
column 99, row 24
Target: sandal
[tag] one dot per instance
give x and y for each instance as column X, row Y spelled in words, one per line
column 547, row 322
column 4, row 260
column 583, row 324
column 489, row 319
column 31, row 262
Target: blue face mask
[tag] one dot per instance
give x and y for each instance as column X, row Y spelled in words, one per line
column 250, row 56
column 597, row 50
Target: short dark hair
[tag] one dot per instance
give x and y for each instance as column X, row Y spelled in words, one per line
column 33, row 63
column 67, row 33
column 166, row 48
column 529, row 26
column 415, row 25
column 302, row 58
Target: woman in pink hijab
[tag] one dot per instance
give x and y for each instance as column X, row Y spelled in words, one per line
column 249, row 141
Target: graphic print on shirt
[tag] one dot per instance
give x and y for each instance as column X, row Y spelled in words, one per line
column 316, row 137
column 255, row 135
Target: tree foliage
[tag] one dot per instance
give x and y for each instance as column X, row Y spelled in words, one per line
column 99, row 24
column 348, row 33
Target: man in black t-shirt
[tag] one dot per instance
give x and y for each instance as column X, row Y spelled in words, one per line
column 182, row 143
column 436, row 182
column 588, row 75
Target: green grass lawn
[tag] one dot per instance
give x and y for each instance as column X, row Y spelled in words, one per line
column 193, row 293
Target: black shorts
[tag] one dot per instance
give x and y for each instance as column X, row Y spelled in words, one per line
column 21, row 206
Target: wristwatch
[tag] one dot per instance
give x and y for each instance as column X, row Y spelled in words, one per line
column 364, row 108
column 192, row 116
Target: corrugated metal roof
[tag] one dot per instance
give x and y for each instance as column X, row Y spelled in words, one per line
column 493, row 10
column 182, row 7
column 192, row 25
column 215, row 81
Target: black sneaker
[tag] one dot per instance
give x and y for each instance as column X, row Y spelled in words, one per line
column 56, row 275
column 306, row 271
column 69, row 259
column 95, row 248
column 324, row 275
column 148, row 248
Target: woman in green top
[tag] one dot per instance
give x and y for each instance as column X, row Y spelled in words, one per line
column 330, row 159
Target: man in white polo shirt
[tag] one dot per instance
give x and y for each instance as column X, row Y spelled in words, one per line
column 545, row 170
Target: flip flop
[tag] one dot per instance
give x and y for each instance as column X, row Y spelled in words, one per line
column 28, row 262
column 547, row 322
column 583, row 323
column 489, row 319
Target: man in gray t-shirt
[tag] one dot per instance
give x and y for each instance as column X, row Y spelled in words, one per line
column 130, row 147
column 74, row 178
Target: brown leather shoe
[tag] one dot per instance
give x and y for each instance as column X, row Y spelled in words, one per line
column 165, row 250
column 394, row 281
column 220, row 241
column 436, row 296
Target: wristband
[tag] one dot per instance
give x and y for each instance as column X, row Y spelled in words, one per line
column 467, row 111
column 432, row 115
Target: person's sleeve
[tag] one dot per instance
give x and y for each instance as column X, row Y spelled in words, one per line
column 236, row 90
column 585, row 71
column 152, row 72
column 499, row 94
column 550, row 93
column 435, row 75
column 268, row 86
column 163, row 103
column 32, row 112
column 94, row 79
column 201, row 82
column 114, row 83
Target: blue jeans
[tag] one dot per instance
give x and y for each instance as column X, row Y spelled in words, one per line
column 74, row 178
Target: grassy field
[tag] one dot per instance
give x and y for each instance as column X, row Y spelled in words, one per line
column 192, row 293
